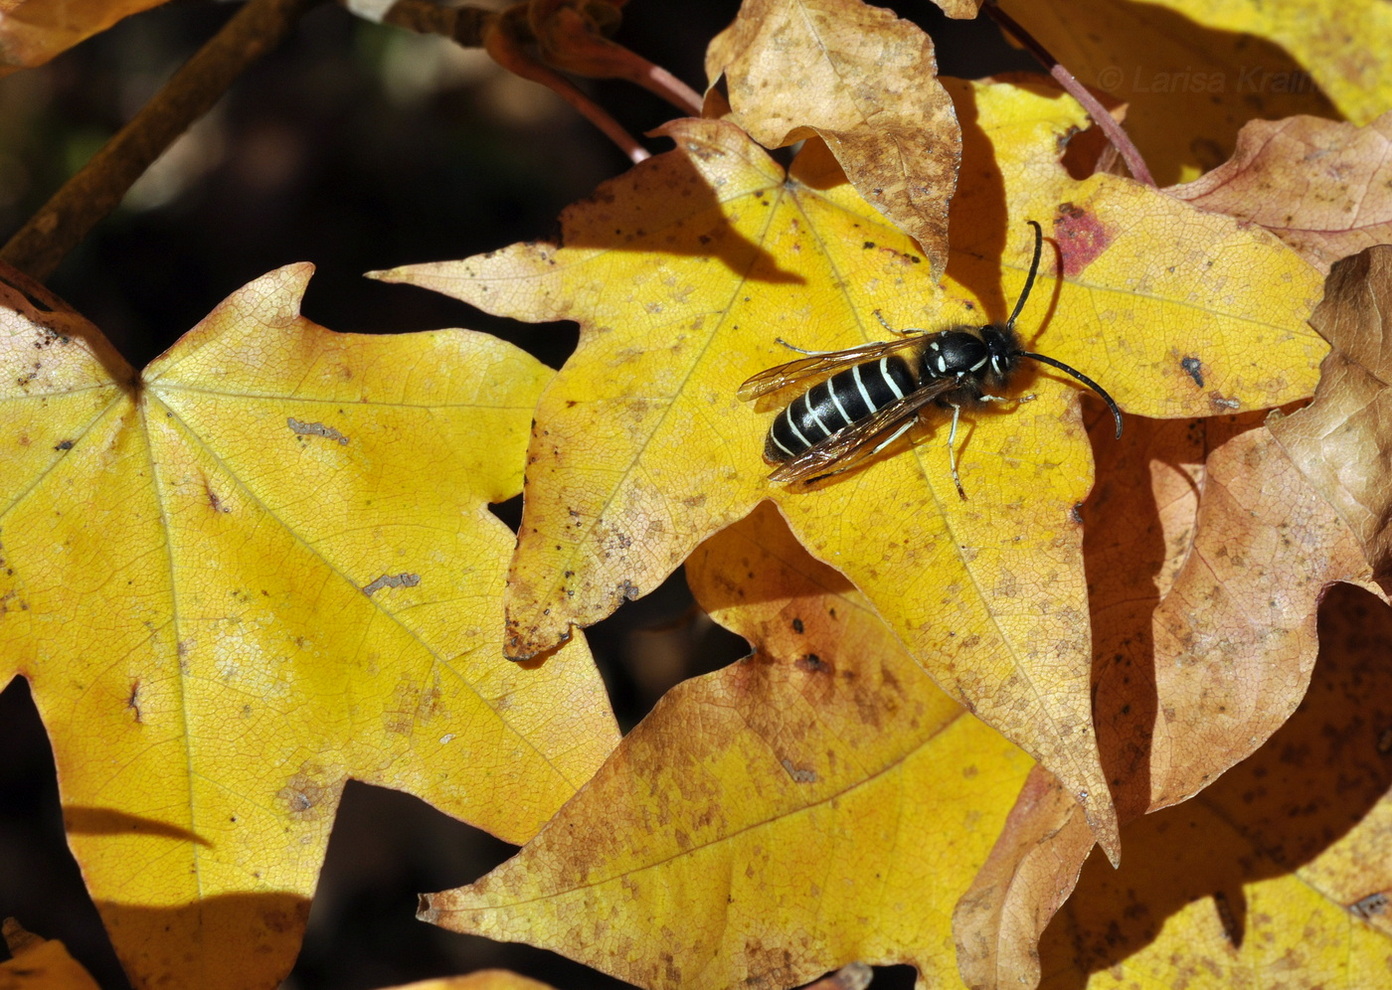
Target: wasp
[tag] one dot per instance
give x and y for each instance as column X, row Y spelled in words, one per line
column 876, row 391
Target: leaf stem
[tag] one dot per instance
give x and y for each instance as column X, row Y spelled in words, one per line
column 563, row 40
column 88, row 197
column 504, row 49
column 1109, row 124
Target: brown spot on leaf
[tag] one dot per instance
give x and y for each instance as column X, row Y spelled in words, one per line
column 1370, row 906
column 214, row 500
column 286, row 922
column 1081, row 237
column 303, row 429
column 1231, row 917
column 799, row 774
column 412, row 704
column 305, row 796
column 402, row 580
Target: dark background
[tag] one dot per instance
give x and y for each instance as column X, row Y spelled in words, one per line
column 357, row 147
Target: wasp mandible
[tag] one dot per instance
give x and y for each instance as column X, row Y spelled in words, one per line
column 876, row 390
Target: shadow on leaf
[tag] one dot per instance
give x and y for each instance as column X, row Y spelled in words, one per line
column 1275, row 813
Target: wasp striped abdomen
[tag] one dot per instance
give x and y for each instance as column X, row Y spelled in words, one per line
column 877, row 391
column 845, row 398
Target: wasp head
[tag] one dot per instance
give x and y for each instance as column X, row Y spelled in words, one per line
column 1002, row 352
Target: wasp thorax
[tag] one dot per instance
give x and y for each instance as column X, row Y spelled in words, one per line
column 990, row 352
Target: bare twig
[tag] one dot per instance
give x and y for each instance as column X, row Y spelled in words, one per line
column 90, row 195
column 1109, row 124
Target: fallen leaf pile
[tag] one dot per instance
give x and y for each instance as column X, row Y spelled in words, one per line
column 1120, row 715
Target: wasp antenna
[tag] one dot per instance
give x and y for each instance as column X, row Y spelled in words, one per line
column 1111, row 403
column 1034, row 267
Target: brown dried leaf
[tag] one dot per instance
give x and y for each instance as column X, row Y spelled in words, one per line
column 866, row 83
column 1340, row 441
column 816, row 803
column 34, row 31
column 1322, row 186
column 1234, row 639
column 1286, row 511
column 1026, row 879
column 1139, row 532
column 1277, row 874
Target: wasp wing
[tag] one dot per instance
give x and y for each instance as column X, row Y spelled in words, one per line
column 820, row 365
column 852, row 444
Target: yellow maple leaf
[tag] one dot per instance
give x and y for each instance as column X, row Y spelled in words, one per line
column 817, row 803
column 1325, row 46
column 1191, row 73
column 262, row 567
column 684, row 272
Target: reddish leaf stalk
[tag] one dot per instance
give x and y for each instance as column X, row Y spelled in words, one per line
column 573, row 37
column 1109, row 124
column 661, row 83
column 505, row 50
column 90, row 195
column 564, row 40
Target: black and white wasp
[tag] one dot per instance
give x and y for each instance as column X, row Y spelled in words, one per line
column 876, row 391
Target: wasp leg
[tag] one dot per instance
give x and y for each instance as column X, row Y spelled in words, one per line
column 952, row 434
column 952, row 453
column 885, row 323
column 800, row 350
column 895, row 435
column 878, row 447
